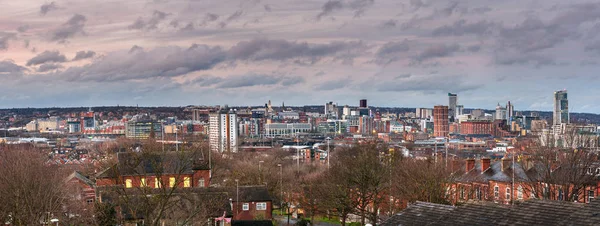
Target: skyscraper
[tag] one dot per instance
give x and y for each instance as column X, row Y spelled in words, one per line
column 561, row 108
column 223, row 131
column 363, row 103
column 441, row 127
column 452, row 102
column 500, row 113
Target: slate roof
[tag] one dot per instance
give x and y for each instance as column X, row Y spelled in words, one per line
column 135, row 164
column 495, row 173
column 531, row 212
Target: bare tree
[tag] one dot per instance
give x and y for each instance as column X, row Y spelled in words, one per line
column 422, row 180
column 32, row 190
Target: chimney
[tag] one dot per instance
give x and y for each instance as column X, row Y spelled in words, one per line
column 505, row 163
column 485, row 164
column 470, row 165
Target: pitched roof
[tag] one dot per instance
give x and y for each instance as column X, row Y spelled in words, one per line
column 531, row 212
column 136, row 163
column 495, row 173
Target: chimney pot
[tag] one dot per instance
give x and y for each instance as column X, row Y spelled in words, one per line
column 485, row 164
column 470, row 165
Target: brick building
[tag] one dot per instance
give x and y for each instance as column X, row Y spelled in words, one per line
column 441, row 126
column 476, row 127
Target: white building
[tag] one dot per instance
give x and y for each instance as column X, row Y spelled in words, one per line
column 223, row 132
column 286, row 129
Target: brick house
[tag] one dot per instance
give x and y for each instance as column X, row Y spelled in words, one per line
column 254, row 203
column 155, row 170
column 83, row 189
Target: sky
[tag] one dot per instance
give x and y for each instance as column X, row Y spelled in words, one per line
column 395, row 53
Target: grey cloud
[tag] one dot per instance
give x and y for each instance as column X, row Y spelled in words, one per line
column 481, row 10
column 474, row 48
column 47, row 57
column 26, row 43
column 84, row 55
column 417, row 4
column 358, row 6
column 188, row 27
column 448, row 10
column 402, row 76
column 389, row 24
column 136, row 48
column 149, row 24
column 593, row 47
column 210, row 17
column 289, row 81
column 49, row 67
column 533, row 35
column 23, row 28
column 436, row 51
column 461, row 27
column 333, row 85
column 174, row 23
column 139, row 64
column 511, row 58
column 391, row 51
column 248, row 81
column 232, row 17
column 206, row 80
column 428, row 83
column 265, row 49
column 267, row 8
column 329, row 7
column 4, row 38
column 45, row 8
column 9, row 67
column 69, row 29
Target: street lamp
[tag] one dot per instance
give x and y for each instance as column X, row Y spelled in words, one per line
column 281, row 186
column 328, row 140
column 237, row 197
column 260, row 172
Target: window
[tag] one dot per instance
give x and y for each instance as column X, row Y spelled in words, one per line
column 462, row 193
column 590, row 195
column 128, row 183
column 478, row 193
column 496, row 192
column 201, row 182
column 246, row 207
column 186, row 182
column 156, row 182
column 261, row 206
column 561, row 194
column 507, row 193
column 143, row 182
column 171, row 181
column 520, row 193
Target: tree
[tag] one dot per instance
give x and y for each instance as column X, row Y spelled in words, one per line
column 422, row 180
column 32, row 188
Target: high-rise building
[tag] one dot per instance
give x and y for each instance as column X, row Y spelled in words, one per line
column 500, row 113
column 452, row 102
column 363, row 103
column 223, row 131
column 561, row 108
column 331, row 110
column 459, row 111
column 441, row 127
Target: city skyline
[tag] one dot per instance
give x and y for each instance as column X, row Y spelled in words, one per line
column 395, row 54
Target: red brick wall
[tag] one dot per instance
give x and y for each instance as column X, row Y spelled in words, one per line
column 252, row 213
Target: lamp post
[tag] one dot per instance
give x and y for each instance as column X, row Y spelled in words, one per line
column 237, row 197
column 260, row 172
column 328, row 140
column 176, row 139
column 281, row 186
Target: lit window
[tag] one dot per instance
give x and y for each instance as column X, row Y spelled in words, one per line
column 172, row 182
column 507, row 193
column 143, row 182
column 186, row 182
column 156, row 182
column 496, row 192
column 590, row 195
column 128, row 183
column 246, row 207
column 201, row 182
column 261, row 206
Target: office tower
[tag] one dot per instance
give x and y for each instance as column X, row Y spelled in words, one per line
column 510, row 111
column 223, row 131
column 346, row 111
column 459, row 111
column 500, row 113
column 561, row 108
column 363, row 103
column 331, row 110
column 452, row 102
column 440, row 121
column 418, row 113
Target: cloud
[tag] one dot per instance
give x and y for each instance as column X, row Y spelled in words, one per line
column 49, row 67
column 447, row 11
column 333, row 85
column 9, row 67
column 461, row 27
column 389, row 24
column 391, row 52
column 209, row 17
column 428, row 83
column 436, row 51
column 84, row 55
column 280, row 50
column 139, row 64
column 232, row 17
column 4, row 38
column 593, row 47
column 474, row 48
column 47, row 57
column 358, row 6
column 417, row 4
column 516, row 58
column 149, row 24
column 23, row 28
column 69, row 29
column 248, row 80
column 267, row 8
column 206, row 80
column 45, row 8
column 481, row 10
